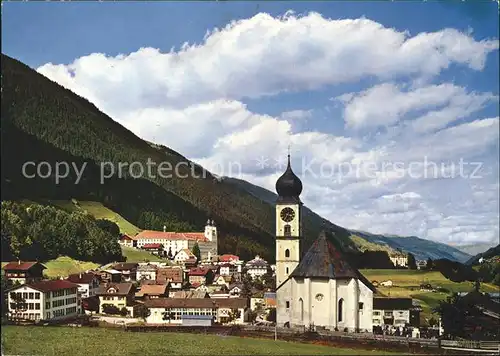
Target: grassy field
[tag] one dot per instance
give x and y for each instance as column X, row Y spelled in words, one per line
column 134, row 255
column 99, row 211
column 406, row 283
column 25, row 340
column 64, row 266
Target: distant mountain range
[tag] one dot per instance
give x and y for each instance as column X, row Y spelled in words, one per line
column 475, row 249
column 490, row 253
column 42, row 121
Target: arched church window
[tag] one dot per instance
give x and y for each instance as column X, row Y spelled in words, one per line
column 301, row 307
column 288, row 230
column 340, row 309
column 287, row 253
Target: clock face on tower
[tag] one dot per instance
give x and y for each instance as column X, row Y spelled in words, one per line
column 287, row 214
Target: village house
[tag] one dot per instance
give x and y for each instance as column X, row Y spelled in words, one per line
column 396, row 312
column 184, row 255
column 173, row 275
column 128, row 270
column 221, row 280
column 235, row 289
column 121, row 295
column 155, row 249
column 227, row 258
column 221, row 310
column 399, row 259
column 88, row 283
column 177, row 241
column 227, row 269
column 151, row 291
column 110, row 276
column 257, row 267
column 44, row 300
column 146, row 272
column 200, row 275
column 421, row 264
column 126, row 240
column 23, row 272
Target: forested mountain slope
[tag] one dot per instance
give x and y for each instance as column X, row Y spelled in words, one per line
column 43, row 121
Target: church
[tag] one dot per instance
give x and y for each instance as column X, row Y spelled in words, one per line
column 318, row 288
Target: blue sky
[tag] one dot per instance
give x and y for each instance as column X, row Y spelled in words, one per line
column 412, row 80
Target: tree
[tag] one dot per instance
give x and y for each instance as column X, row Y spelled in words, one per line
column 123, row 311
column 430, row 265
column 169, row 254
column 433, row 322
column 412, row 264
column 142, row 311
column 110, row 309
column 453, row 315
column 109, row 226
column 247, row 284
column 91, row 304
column 196, row 251
column 233, row 315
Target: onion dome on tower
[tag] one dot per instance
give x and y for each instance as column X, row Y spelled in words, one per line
column 288, row 186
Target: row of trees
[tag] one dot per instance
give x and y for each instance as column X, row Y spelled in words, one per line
column 37, row 232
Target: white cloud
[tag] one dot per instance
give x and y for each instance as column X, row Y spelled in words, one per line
column 264, row 56
column 387, row 104
column 193, row 100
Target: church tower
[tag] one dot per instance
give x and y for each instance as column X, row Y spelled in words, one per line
column 288, row 224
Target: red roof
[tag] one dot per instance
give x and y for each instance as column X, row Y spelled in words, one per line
column 151, row 234
column 20, row 266
column 81, row 277
column 47, row 286
column 152, row 246
column 228, row 258
column 199, row 271
column 126, row 237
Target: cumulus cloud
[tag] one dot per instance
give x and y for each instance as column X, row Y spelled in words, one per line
column 386, row 104
column 193, row 100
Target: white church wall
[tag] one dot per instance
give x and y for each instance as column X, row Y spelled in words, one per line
column 365, row 314
column 284, row 295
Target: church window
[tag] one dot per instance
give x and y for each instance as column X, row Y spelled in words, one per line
column 301, row 306
column 340, row 310
column 287, row 253
column 319, row 297
column 287, row 304
column 286, row 270
column 288, row 230
column 360, row 306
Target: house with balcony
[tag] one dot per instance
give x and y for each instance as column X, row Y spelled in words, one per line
column 126, row 240
column 396, row 312
column 128, row 270
column 257, row 267
column 88, row 283
column 146, row 272
column 200, row 275
column 23, row 272
column 120, row 295
column 152, row 291
column 172, row 275
column 44, row 301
